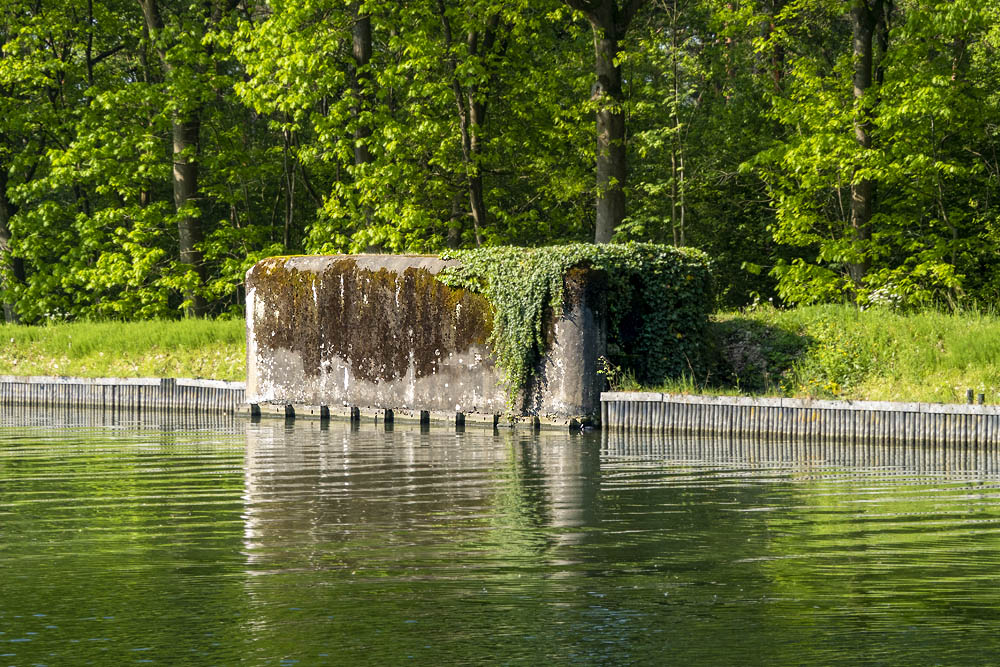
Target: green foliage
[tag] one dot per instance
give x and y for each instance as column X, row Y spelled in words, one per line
column 86, row 162
column 617, row 378
column 699, row 107
column 932, row 109
column 741, row 142
column 658, row 300
column 412, row 99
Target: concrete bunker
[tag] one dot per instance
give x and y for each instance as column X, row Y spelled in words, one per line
column 379, row 334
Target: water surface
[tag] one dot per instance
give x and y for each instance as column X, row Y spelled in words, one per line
column 273, row 544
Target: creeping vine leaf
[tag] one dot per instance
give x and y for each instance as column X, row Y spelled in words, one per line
column 658, row 302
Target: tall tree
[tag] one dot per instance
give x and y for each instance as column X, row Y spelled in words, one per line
column 13, row 269
column 361, row 50
column 46, row 49
column 698, row 108
column 471, row 101
column 469, row 136
column 867, row 18
column 610, row 22
column 187, row 92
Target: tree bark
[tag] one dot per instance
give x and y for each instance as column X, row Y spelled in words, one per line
column 677, row 145
column 477, row 118
column 777, row 64
column 610, row 23
column 866, row 15
column 611, row 162
column 186, row 132
column 361, row 37
column 15, row 265
column 361, row 52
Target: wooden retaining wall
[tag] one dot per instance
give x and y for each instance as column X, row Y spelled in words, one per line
column 801, row 419
column 124, row 395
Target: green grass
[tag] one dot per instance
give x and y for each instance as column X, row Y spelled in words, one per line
column 185, row 348
column 820, row 352
column 842, row 352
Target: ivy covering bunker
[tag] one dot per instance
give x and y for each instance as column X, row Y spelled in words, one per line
column 658, row 300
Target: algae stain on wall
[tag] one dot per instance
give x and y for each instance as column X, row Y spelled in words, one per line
column 377, row 331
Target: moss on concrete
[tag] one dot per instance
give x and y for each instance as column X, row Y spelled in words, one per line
column 354, row 314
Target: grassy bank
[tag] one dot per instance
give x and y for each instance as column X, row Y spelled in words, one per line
column 841, row 352
column 186, row 348
column 822, row 352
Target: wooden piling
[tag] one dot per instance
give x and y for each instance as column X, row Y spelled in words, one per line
column 130, row 397
column 816, row 423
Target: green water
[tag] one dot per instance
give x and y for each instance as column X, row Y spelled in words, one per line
column 267, row 544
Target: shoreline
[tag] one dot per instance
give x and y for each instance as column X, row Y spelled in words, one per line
column 736, row 417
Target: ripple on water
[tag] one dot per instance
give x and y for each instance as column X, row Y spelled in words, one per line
column 317, row 544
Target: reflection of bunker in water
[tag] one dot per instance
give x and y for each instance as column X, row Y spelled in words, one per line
column 336, row 487
column 408, row 503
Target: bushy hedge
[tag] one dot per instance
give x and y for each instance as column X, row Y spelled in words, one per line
column 658, row 303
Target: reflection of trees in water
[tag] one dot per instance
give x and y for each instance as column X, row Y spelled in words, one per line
column 866, row 545
column 130, row 524
column 520, row 502
column 545, row 497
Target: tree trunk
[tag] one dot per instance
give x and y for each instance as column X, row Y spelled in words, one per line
column 15, row 265
column 778, row 54
column 361, row 51
column 865, row 17
column 361, row 34
column 611, row 161
column 474, row 175
column 477, row 118
column 610, row 23
column 185, row 181
column 471, row 113
column 289, row 170
column 677, row 146
column 186, row 130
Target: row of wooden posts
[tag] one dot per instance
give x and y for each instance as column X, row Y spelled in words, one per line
column 627, row 412
column 124, row 395
column 800, row 419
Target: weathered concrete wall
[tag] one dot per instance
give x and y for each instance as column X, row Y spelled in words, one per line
column 379, row 331
column 566, row 381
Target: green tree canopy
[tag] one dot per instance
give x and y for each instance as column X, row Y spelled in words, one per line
column 817, row 150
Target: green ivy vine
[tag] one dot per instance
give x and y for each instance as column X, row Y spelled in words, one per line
column 658, row 301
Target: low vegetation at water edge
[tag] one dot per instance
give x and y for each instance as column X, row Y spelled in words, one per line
column 185, row 348
column 846, row 353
